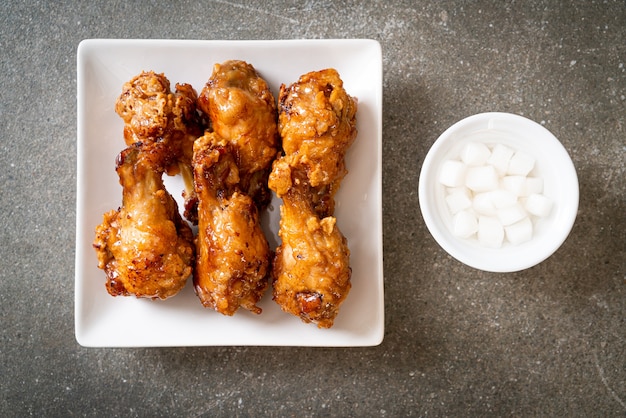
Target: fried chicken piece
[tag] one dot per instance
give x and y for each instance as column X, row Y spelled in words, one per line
column 145, row 247
column 311, row 270
column 153, row 113
column 231, row 166
column 242, row 110
column 317, row 124
column 233, row 255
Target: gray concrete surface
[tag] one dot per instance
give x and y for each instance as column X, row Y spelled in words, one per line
column 548, row 341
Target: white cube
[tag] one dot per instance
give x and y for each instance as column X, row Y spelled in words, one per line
column 503, row 198
column 461, row 189
column 465, row 224
column 521, row 164
column 452, row 173
column 475, row 153
column 511, row 214
column 458, row 200
column 539, row 205
column 500, row 157
column 514, row 184
column 482, row 179
column 532, row 185
column 519, row 232
column 490, row 232
column 483, row 204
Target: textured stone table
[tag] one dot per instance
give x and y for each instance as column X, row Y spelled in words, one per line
column 547, row 341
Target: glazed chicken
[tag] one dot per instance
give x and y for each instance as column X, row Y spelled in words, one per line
column 311, row 270
column 153, row 113
column 242, row 110
column 231, row 166
column 145, row 247
column 232, row 253
column 312, row 265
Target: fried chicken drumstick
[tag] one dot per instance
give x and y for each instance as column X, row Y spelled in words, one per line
column 145, row 247
column 311, row 270
column 153, row 113
column 233, row 254
column 242, row 110
column 231, row 166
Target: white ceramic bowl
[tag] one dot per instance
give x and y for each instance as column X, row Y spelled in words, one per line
column 552, row 163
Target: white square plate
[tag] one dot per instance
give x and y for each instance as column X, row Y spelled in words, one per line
column 105, row 321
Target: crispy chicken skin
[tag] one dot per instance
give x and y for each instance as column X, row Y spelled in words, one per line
column 317, row 124
column 242, row 110
column 233, row 255
column 231, row 165
column 153, row 113
column 145, row 247
column 311, row 268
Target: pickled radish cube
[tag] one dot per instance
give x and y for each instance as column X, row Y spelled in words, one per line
column 500, row 157
column 510, row 215
column 539, row 205
column 522, row 201
column 482, row 179
column 490, row 232
column 475, row 153
column 457, row 201
column 452, row 173
column 521, row 163
column 483, row 204
column 515, row 184
column 465, row 224
column 519, row 232
column 461, row 189
column 503, row 198
column 532, row 185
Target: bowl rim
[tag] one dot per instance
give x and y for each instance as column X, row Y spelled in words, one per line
column 564, row 181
